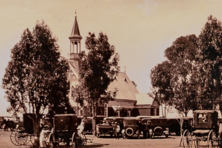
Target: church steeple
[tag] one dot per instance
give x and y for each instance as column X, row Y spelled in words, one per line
column 75, row 41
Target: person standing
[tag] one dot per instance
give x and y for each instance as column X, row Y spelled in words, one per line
column 80, row 128
column 145, row 130
column 44, row 136
column 117, row 130
column 140, row 127
column 114, row 124
column 217, row 109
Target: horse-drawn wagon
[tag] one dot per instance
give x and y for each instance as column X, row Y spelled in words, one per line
column 64, row 130
column 24, row 132
column 205, row 129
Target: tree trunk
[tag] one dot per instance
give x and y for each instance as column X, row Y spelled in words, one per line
column 218, row 88
column 162, row 110
column 36, row 131
column 94, row 106
column 181, row 130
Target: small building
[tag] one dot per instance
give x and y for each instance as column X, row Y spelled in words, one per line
column 145, row 106
column 125, row 98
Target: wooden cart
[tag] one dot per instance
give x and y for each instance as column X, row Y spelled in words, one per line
column 24, row 132
column 64, row 130
column 204, row 131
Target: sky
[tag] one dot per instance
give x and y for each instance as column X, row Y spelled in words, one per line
column 140, row 30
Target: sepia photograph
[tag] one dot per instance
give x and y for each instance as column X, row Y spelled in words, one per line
column 110, row 73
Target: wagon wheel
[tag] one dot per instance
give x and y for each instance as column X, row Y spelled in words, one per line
column 32, row 139
column 212, row 139
column 19, row 138
column 12, row 129
column 14, row 139
column 187, row 139
column 84, row 140
column 50, row 143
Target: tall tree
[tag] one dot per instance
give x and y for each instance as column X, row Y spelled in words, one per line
column 98, row 68
column 196, row 68
column 174, row 80
column 161, row 77
column 36, row 75
column 184, row 83
column 210, row 61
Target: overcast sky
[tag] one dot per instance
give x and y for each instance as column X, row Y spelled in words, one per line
column 139, row 29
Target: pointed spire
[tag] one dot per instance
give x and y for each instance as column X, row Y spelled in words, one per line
column 75, row 34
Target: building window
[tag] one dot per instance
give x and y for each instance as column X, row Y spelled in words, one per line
column 152, row 112
column 100, row 111
column 157, row 111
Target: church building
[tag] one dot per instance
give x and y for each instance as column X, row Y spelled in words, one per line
column 128, row 101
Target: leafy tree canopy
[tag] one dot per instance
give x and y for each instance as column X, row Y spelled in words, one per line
column 98, row 68
column 36, row 74
column 190, row 78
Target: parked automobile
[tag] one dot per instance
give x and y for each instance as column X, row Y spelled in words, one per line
column 130, row 127
column 108, row 126
column 157, row 126
column 8, row 123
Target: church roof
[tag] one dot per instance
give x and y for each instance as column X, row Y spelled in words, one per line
column 75, row 34
column 126, row 89
column 144, row 99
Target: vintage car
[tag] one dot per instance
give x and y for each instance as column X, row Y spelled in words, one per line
column 108, row 126
column 157, row 126
column 88, row 123
column 174, row 124
column 9, row 123
column 187, row 123
column 130, row 127
column 1, row 122
column 104, row 129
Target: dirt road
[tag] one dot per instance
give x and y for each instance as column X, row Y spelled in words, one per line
column 158, row 142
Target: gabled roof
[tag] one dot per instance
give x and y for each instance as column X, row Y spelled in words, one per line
column 144, row 99
column 126, row 89
column 75, row 34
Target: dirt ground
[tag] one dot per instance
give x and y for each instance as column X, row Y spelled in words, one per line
column 158, row 142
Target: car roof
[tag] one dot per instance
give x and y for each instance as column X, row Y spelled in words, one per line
column 204, row 111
